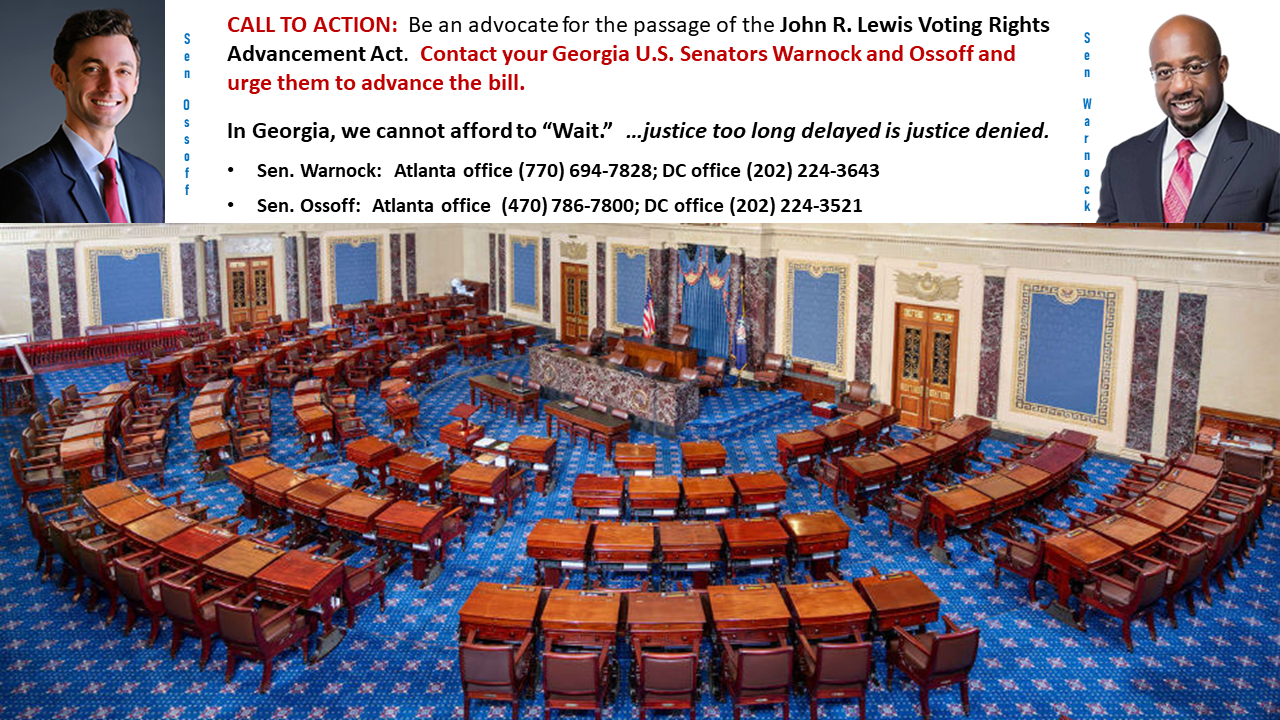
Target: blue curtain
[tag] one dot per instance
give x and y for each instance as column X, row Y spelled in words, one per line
column 130, row 290
column 524, row 273
column 629, row 299
column 705, row 299
column 355, row 272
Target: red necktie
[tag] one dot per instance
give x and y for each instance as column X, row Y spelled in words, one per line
column 110, row 191
column 1178, row 196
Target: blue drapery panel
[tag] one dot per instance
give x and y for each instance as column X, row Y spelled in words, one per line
column 524, row 273
column 1064, row 355
column 629, row 287
column 355, row 272
column 130, row 290
column 705, row 299
column 815, row 316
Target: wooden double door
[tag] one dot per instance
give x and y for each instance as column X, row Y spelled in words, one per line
column 575, row 303
column 925, row 364
column 251, row 290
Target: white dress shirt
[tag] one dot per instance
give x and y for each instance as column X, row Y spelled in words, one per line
column 1203, row 142
column 90, row 158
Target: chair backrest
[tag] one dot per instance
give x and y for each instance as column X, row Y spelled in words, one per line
column 179, row 600
column 1188, row 562
column 843, row 663
column 668, row 673
column 1244, row 462
column 596, row 336
column 15, row 466
column 487, row 664
column 954, row 652
column 654, row 366
column 617, row 357
column 581, row 400
column 688, row 374
column 680, row 335
column 570, row 673
column 620, row 413
column 773, row 361
column 858, row 391
column 1151, row 584
column 582, row 348
column 239, row 625
column 763, row 669
column 801, row 367
column 715, row 365
column 502, row 376
column 599, row 407
column 133, row 581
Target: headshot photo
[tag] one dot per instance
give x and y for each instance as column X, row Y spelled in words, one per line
column 87, row 143
column 1206, row 161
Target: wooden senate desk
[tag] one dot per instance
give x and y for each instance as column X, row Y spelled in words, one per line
column 197, row 544
column 703, row 457
column 813, row 388
column 151, row 530
column 503, row 613
column 598, row 495
column 239, row 561
column 272, row 487
column 868, row 425
column 1127, row 532
column 357, row 512
column 316, row 423
column 1191, row 478
column 625, row 547
column 677, row 357
column 463, row 434
column 372, row 453
column 639, row 458
column 581, row 618
column 107, row 493
column 899, row 599
column 864, row 477
column 665, row 620
column 122, row 512
column 708, row 496
column 1229, row 430
column 650, row 497
column 749, row 614
column 800, row 447
column 755, row 543
column 1174, row 493
column 483, row 485
column 499, row 392
column 539, row 453
column 828, row 609
column 571, row 414
column 1154, row 511
column 691, row 546
column 556, row 546
column 913, row 462
column 968, row 431
column 958, row 507
column 839, row 439
column 307, row 503
column 1032, row 478
column 312, row 581
column 759, row 492
column 942, row 452
column 817, row 538
column 1069, row 558
column 422, row 471
column 418, row 526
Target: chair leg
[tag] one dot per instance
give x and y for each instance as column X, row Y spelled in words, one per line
column 130, row 617
column 155, row 629
column 964, row 696
column 862, row 707
column 206, row 648
column 231, row 666
column 176, row 642
column 1173, row 613
column 995, row 581
column 1031, row 589
column 1128, row 634
column 1151, row 622
column 466, row 707
column 1191, row 601
column 924, row 703
column 813, row 708
column 266, row 675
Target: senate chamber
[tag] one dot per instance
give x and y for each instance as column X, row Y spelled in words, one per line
column 417, row 471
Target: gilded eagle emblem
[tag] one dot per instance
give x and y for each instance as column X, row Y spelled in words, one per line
column 927, row 286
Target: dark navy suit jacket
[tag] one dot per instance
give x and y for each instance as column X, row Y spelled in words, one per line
column 1240, row 181
column 49, row 185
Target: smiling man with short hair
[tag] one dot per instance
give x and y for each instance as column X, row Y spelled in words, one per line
column 1207, row 163
column 81, row 175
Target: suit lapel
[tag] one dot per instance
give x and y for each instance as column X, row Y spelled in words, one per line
column 1228, row 151
column 79, row 187
column 1150, row 194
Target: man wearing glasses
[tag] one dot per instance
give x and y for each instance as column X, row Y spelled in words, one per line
column 1207, row 163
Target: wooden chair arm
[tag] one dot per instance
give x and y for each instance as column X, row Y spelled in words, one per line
column 951, row 625
column 282, row 612
column 141, row 553
column 176, row 495
column 909, row 638
column 1120, row 581
column 806, row 651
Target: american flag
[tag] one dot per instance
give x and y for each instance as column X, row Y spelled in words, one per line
column 650, row 322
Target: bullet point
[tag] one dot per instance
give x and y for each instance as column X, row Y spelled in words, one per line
column 231, row 204
column 231, row 169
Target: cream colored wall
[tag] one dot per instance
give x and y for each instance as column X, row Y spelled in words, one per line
column 15, row 289
column 1240, row 366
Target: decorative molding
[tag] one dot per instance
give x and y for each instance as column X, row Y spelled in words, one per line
column 356, row 241
column 1069, row 294
column 818, row 270
column 927, row 286
column 573, row 250
column 130, row 252
column 632, row 252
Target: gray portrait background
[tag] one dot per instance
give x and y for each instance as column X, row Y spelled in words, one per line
column 36, row 108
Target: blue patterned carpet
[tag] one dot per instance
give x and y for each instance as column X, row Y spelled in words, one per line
column 60, row 661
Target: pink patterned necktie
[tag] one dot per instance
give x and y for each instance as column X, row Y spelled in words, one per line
column 110, row 191
column 1178, row 196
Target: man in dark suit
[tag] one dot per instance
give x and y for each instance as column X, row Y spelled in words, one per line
column 81, row 175
column 1207, row 163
